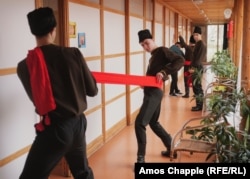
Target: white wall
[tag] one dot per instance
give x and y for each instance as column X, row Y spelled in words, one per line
column 91, row 28
column 137, row 62
column 16, row 111
column 114, row 43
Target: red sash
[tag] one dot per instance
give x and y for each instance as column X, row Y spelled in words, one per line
column 187, row 62
column 114, row 78
column 43, row 98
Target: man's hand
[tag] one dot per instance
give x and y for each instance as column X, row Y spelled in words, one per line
column 159, row 77
column 191, row 70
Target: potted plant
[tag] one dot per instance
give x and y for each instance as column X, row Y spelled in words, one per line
column 222, row 65
column 232, row 143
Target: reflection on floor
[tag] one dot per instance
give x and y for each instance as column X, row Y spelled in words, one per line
column 115, row 160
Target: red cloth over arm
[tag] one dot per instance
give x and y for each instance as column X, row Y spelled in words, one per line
column 43, row 98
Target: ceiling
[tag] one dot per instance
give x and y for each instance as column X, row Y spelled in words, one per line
column 197, row 13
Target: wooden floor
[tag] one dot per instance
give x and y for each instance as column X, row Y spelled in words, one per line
column 115, row 160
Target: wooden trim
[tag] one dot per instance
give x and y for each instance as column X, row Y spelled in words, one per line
column 14, row 155
column 115, row 129
column 113, row 11
column 38, row 3
column 63, row 11
column 96, row 144
column 238, row 31
column 164, row 26
column 7, row 71
column 176, row 22
column 127, row 58
column 186, row 27
column 135, row 15
column 103, row 97
column 172, row 9
column 86, row 3
column 114, row 99
column 136, row 52
column 133, row 116
column 114, row 55
column 153, row 21
column 92, row 58
column 92, row 110
column 246, row 44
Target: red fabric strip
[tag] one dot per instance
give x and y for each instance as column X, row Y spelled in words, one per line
column 186, row 73
column 114, row 78
column 40, row 82
column 187, row 62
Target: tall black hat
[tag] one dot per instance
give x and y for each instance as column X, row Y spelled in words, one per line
column 197, row 30
column 41, row 21
column 144, row 34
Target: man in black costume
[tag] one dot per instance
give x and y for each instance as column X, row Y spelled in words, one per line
column 199, row 57
column 162, row 63
column 189, row 48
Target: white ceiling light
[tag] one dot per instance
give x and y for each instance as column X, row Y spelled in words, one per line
column 227, row 13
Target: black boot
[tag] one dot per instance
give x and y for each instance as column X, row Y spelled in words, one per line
column 167, row 154
column 186, row 92
column 186, row 96
column 197, row 108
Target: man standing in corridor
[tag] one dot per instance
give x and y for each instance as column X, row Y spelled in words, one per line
column 57, row 80
column 199, row 57
column 162, row 63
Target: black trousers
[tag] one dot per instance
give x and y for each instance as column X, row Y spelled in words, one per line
column 197, row 86
column 63, row 138
column 187, row 77
column 173, row 85
column 149, row 114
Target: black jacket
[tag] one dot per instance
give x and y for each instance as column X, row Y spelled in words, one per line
column 165, row 61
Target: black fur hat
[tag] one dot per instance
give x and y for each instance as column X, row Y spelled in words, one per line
column 144, row 34
column 197, row 30
column 41, row 21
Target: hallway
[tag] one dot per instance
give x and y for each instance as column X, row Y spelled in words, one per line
column 115, row 160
